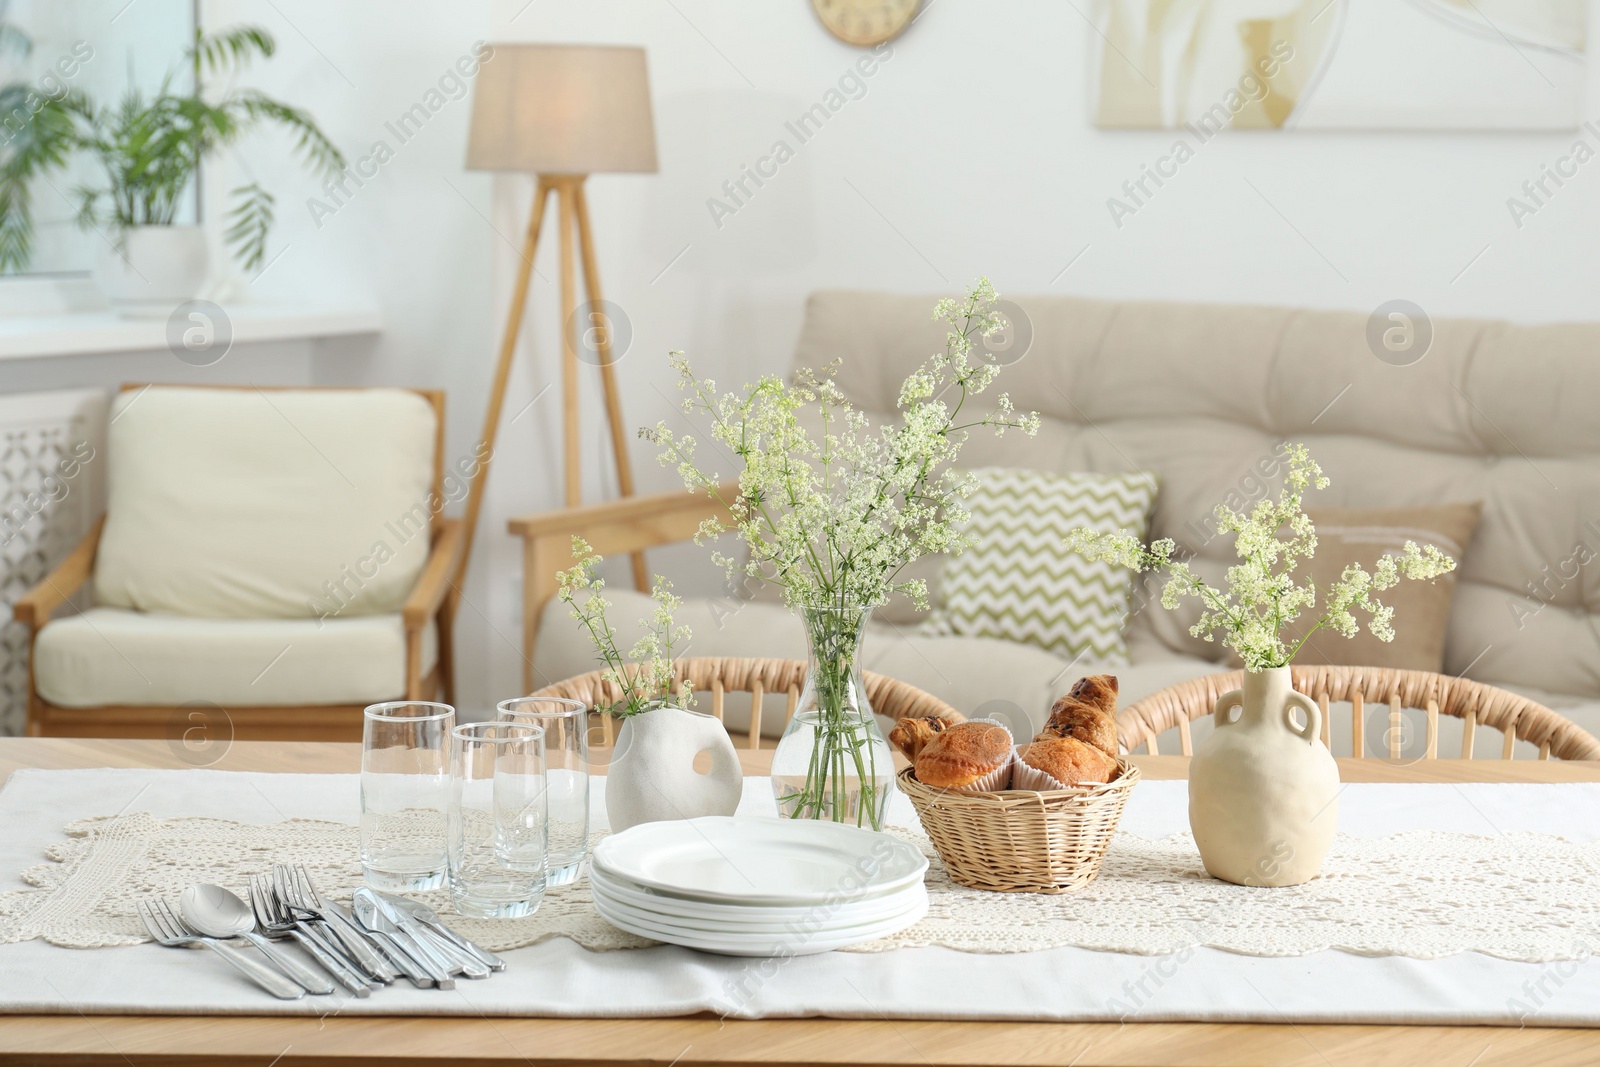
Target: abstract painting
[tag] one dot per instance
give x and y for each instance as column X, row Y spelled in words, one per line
column 1339, row 64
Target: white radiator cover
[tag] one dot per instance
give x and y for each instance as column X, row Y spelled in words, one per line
column 52, row 461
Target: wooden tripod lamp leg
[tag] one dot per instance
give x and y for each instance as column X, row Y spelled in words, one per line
column 608, row 371
column 497, row 392
column 573, row 454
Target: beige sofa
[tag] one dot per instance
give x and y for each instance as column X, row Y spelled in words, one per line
column 1494, row 412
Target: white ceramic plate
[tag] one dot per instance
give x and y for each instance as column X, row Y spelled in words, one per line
column 760, row 944
column 819, row 920
column 736, row 860
column 694, row 912
column 916, row 904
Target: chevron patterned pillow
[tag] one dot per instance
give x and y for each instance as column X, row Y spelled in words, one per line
column 1020, row 584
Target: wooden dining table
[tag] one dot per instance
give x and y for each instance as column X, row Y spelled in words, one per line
column 196, row 1041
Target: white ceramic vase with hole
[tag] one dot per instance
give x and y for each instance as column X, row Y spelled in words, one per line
column 1263, row 788
column 652, row 777
column 155, row 269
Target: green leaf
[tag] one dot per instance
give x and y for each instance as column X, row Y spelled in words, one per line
column 249, row 222
column 228, row 50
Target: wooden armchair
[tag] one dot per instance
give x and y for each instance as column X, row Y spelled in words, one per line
column 139, row 665
column 618, row 527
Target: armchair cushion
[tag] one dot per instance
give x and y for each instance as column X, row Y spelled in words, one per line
column 109, row 656
column 266, row 504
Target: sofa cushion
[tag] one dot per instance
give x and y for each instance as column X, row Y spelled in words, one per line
column 977, row 676
column 1421, row 609
column 1019, row 583
column 1205, row 395
column 249, row 503
column 109, row 657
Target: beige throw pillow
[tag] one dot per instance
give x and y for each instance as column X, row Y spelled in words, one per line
column 1421, row 609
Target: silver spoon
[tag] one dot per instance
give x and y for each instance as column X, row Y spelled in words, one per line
column 217, row 912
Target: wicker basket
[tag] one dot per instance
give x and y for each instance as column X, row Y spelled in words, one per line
column 1022, row 841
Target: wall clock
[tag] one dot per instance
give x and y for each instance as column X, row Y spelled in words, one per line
column 865, row 22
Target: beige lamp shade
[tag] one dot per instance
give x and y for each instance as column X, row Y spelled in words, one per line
column 562, row 109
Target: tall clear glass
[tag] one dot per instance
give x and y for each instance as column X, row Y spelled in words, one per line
column 498, row 819
column 566, row 752
column 405, row 793
column 832, row 762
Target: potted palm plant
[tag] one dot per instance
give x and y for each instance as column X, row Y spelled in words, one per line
column 150, row 150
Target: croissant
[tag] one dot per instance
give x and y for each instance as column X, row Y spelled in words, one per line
column 1087, row 713
column 1097, row 689
column 911, row 736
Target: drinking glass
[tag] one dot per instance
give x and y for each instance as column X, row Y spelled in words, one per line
column 566, row 751
column 497, row 819
column 405, row 794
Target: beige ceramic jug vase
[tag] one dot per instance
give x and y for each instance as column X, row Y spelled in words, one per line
column 1264, row 790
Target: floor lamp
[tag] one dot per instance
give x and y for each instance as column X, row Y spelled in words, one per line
column 561, row 112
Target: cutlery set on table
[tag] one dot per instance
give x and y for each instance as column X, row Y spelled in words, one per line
column 379, row 939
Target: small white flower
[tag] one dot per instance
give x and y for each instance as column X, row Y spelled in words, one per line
column 835, row 516
column 648, row 680
column 1262, row 596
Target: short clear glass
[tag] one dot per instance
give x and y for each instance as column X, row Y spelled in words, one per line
column 498, row 820
column 405, row 794
column 566, row 753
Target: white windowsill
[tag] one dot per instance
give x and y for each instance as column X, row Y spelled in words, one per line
column 76, row 333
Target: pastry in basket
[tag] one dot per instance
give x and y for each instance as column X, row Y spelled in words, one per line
column 1097, row 689
column 911, row 736
column 968, row 757
column 1060, row 763
column 1088, row 713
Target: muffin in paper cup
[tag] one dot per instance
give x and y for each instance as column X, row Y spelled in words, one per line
column 1061, row 763
column 997, row 780
column 1032, row 778
column 970, row 757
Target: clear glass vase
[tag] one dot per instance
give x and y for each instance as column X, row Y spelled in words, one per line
column 833, row 762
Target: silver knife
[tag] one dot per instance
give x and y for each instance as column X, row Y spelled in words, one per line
column 397, row 924
column 356, row 940
column 430, row 918
column 461, row 961
column 332, row 960
column 398, row 946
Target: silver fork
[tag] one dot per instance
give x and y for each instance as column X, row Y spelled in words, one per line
column 165, row 926
column 297, row 891
column 275, row 919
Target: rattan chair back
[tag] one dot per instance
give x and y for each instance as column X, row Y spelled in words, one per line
column 1476, row 704
column 719, row 676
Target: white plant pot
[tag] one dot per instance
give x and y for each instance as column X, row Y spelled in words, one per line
column 1263, row 792
column 652, row 777
column 158, row 268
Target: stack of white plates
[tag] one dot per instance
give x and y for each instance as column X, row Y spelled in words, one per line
column 758, row 887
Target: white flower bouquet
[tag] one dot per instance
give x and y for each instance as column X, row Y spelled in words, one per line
column 1262, row 596
column 835, row 517
column 647, row 682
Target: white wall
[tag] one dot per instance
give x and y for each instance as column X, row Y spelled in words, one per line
column 412, row 241
column 969, row 152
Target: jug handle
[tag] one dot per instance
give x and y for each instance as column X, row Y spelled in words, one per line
column 725, row 764
column 1313, row 728
column 1233, row 698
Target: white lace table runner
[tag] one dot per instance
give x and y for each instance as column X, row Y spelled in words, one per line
column 1424, row 894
